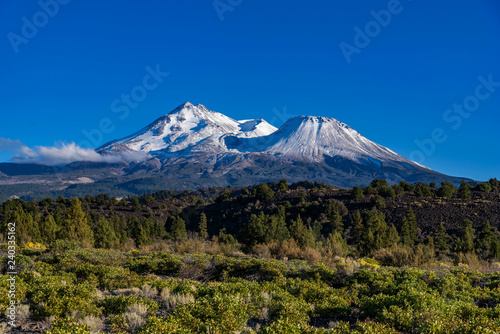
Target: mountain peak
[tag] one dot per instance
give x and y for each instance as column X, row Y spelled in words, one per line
column 297, row 121
column 190, row 130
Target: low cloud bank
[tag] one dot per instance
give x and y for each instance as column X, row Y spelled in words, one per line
column 63, row 154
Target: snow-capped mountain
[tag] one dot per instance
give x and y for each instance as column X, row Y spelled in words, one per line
column 192, row 147
column 194, row 130
column 189, row 129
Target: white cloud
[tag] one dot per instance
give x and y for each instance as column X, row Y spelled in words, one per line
column 62, row 154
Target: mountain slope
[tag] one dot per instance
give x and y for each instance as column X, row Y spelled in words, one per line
column 309, row 138
column 188, row 129
column 194, row 130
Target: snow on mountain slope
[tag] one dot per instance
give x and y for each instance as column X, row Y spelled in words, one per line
column 309, row 138
column 190, row 129
column 313, row 137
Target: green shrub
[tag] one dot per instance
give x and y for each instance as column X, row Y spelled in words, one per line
column 119, row 304
column 54, row 295
column 68, row 325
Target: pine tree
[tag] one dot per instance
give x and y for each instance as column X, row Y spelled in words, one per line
column 75, row 225
column 374, row 235
column 282, row 185
column 406, row 238
column 447, row 190
column 467, row 236
column 487, row 242
column 263, row 192
column 49, row 229
column 336, row 223
column 357, row 228
column 357, row 193
column 133, row 227
column 142, row 237
column 105, row 237
column 136, row 205
column 423, row 190
column 464, row 190
column 278, row 229
column 380, row 232
column 441, row 239
column 257, row 230
column 26, row 228
column 202, row 226
column 178, row 229
column 409, row 228
column 303, row 235
column 392, row 236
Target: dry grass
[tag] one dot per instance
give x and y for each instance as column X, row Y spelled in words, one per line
column 136, row 315
column 134, row 320
column 3, row 328
column 96, row 324
column 127, row 292
column 288, row 249
column 148, row 292
column 170, row 301
column 22, row 312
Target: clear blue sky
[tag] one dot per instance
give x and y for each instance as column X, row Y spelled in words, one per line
column 262, row 56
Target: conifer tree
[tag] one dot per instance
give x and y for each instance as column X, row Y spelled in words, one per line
column 136, row 205
column 202, row 226
column 257, row 230
column 26, row 227
column 487, row 243
column 48, row 228
column 178, row 229
column 264, row 192
column 409, row 228
column 357, row 228
column 303, row 235
column 133, row 227
column 357, row 193
column 105, row 237
column 447, row 190
column 282, row 185
column 406, row 238
column 336, row 223
column 277, row 230
column 467, row 236
column 374, row 235
column 75, row 225
column 142, row 237
column 464, row 190
column 392, row 236
column 441, row 239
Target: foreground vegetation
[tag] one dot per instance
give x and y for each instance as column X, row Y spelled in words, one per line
column 70, row 289
column 273, row 258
